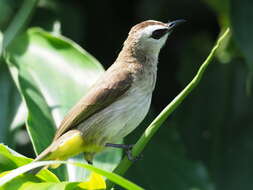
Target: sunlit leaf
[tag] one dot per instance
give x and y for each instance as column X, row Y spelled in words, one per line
column 45, row 67
column 9, row 160
column 20, row 116
column 52, row 73
column 111, row 176
column 24, row 183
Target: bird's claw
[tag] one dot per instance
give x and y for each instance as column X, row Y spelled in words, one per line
column 130, row 155
column 128, row 150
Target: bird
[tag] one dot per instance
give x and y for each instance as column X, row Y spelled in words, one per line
column 118, row 101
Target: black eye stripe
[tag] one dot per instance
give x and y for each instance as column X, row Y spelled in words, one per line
column 157, row 34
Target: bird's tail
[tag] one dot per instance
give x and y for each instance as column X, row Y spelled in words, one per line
column 68, row 145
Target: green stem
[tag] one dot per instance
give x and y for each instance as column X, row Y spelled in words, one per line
column 156, row 124
column 18, row 22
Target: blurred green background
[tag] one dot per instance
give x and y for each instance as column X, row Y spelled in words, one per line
column 207, row 144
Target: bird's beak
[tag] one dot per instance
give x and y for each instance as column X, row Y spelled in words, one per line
column 175, row 23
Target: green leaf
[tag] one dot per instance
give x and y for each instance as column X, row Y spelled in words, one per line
column 111, row 176
column 9, row 160
column 20, row 116
column 25, row 182
column 7, row 178
column 18, row 22
column 10, row 101
column 52, row 73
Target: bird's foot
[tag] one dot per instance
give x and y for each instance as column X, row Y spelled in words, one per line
column 127, row 149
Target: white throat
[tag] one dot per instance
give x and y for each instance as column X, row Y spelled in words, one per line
column 149, row 45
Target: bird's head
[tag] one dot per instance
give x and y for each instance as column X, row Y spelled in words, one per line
column 148, row 37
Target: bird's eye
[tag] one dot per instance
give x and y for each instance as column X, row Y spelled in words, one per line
column 157, row 34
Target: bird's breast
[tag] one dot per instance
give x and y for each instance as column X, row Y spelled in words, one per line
column 122, row 116
column 145, row 76
column 128, row 112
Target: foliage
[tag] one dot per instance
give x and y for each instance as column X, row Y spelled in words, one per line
column 205, row 144
column 45, row 179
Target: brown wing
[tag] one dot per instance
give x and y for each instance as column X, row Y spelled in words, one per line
column 111, row 86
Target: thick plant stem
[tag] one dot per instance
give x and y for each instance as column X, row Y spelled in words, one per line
column 155, row 125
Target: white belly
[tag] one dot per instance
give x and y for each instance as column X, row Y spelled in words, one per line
column 118, row 119
column 134, row 109
column 124, row 115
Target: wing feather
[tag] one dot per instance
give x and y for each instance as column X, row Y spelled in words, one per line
column 111, row 86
